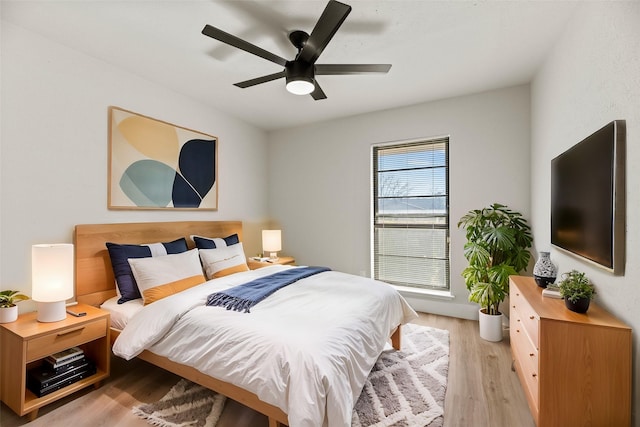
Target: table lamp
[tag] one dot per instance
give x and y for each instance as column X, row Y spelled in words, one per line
column 52, row 279
column 272, row 242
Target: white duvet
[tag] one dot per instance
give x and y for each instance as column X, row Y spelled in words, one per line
column 306, row 349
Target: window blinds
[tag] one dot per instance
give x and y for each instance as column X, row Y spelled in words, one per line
column 411, row 214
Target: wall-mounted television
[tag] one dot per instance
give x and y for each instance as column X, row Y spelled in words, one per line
column 588, row 198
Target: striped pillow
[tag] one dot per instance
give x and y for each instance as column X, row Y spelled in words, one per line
column 215, row 242
column 160, row 277
column 223, row 261
column 121, row 253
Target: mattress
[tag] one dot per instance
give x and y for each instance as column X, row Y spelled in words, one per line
column 121, row 313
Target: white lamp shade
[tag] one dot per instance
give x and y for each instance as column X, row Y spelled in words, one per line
column 52, row 272
column 300, row 87
column 271, row 240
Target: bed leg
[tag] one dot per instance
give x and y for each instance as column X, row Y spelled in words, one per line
column 395, row 338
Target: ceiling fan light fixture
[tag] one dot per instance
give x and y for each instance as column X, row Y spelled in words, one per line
column 300, row 72
column 300, row 85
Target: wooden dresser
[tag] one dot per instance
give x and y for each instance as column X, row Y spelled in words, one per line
column 575, row 368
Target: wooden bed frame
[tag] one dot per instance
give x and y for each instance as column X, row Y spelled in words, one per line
column 95, row 284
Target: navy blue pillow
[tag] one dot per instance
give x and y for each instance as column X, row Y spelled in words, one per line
column 209, row 243
column 119, row 255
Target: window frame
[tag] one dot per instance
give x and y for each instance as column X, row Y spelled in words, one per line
column 375, row 201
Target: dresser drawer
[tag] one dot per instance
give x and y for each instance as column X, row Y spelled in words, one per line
column 527, row 362
column 525, row 352
column 38, row 348
column 530, row 383
column 529, row 319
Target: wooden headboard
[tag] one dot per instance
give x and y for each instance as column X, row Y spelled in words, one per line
column 93, row 273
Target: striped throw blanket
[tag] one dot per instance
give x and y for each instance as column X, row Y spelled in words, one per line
column 245, row 296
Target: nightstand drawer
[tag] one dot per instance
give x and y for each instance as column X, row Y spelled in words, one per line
column 41, row 347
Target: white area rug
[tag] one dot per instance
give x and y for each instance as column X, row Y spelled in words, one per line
column 405, row 389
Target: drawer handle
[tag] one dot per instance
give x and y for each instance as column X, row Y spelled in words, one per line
column 518, row 330
column 531, row 354
column 514, row 306
column 70, row 331
column 531, row 317
column 534, row 375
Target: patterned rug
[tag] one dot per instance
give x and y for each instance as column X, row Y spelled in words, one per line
column 186, row 405
column 405, row 389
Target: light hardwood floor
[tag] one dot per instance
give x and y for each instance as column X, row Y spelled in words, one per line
column 481, row 391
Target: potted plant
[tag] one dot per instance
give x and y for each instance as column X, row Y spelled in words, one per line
column 497, row 246
column 8, row 307
column 577, row 291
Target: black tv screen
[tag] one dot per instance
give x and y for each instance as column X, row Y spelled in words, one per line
column 588, row 198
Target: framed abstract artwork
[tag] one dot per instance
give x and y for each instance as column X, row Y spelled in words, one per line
column 158, row 165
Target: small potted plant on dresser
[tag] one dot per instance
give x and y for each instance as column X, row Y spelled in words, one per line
column 8, row 307
column 577, row 291
column 497, row 246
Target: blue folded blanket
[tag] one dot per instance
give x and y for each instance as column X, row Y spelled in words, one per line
column 245, row 296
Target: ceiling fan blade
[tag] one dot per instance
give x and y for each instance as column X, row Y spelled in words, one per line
column 348, row 69
column 258, row 80
column 234, row 41
column 318, row 93
column 331, row 19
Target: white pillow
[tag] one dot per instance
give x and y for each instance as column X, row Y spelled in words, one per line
column 159, row 277
column 223, row 261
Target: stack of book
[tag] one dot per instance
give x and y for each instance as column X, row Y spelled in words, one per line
column 59, row 370
column 551, row 292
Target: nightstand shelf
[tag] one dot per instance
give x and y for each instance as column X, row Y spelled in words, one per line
column 25, row 342
column 283, row 260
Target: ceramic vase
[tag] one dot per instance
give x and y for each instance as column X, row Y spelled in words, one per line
column 544, row 270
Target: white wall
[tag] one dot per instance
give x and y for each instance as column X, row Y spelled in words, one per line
column 320, row 177
column 54, row 149
column 591, row 78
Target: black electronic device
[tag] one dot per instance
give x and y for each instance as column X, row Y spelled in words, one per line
column 42, row 380
column 588, row 205
column 76, row 313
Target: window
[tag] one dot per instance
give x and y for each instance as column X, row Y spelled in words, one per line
column 411, row 214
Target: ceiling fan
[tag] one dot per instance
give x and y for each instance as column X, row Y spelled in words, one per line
column 300, row 72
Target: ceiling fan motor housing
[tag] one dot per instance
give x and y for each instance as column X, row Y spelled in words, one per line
column 299, row 70
column 300, row 77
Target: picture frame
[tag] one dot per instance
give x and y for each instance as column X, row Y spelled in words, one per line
column 154, row 164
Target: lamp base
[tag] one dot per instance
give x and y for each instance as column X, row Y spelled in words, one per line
column 273, row 256
column 52, row 311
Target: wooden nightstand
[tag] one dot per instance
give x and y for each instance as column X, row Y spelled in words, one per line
column 283, row 260
column 25, row 342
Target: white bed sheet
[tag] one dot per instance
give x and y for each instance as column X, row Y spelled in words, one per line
column 307, row 349
column 120, row 314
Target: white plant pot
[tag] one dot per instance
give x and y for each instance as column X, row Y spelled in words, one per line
column 490, row 326
column 8, row 314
